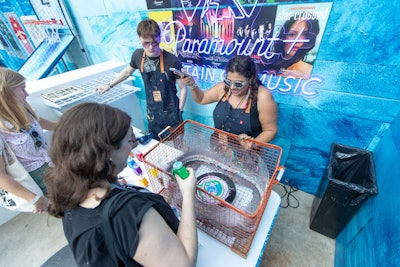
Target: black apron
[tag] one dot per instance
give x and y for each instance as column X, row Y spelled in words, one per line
column 236, row 120
column 162, row 102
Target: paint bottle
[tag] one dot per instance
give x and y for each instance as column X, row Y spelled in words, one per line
column 143, row 181
column 130, row 161
column 143, row 140
column 178, row 168
column 138, row 171
column 135, row 167
column 153, row 172
column 139, row 156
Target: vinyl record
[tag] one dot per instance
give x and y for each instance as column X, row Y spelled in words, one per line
column 217, row 184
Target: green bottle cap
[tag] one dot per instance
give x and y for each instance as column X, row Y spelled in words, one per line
column 178, row 168
column 177, row 165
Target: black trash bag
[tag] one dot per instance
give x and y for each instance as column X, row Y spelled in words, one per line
column 348, row 181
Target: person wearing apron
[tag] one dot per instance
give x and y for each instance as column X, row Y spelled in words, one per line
column 237, row 120
column 244, row 106
column 164, row 108
column 162, row 102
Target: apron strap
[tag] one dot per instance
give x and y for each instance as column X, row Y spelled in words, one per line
column 161, row 61
column 225, row 97
column 248, row 106
column 142, row 63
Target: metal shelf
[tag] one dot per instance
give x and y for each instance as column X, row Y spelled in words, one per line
column 85, row 91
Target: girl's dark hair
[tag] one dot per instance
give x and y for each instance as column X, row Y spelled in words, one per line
column 80, row 151
column 245, row 66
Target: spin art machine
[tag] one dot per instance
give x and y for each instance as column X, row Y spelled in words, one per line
column 233, row 184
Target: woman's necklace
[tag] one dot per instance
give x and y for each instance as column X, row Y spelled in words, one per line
column 246, row 96
column 231, row 110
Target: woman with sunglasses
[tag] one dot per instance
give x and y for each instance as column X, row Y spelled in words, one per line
column 21, row 128
column 244, row 106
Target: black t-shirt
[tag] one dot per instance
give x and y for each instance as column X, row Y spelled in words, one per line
column 170, row 61
column 83, row 227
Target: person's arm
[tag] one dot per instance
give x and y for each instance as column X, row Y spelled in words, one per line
column 158, row 245
column 204, row 97
column 182, row 94
column 15, row 188
column 187, row 231
column 267, row 114
column 122, row 76
column 46, row 124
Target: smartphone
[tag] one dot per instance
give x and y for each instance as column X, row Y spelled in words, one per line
column 179, row 72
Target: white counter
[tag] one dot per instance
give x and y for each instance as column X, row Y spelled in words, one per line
column 70, row 77
column 213, row 253
column 85, row 81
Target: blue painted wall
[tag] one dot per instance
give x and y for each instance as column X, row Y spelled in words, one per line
column 359, row 62
column 372, row 237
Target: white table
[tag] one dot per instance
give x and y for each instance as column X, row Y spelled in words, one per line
column 128, row 174
column 213, row 253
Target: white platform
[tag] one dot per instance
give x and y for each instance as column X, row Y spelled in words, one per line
column 213, row 253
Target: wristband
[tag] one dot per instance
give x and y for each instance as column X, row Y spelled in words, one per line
column 36, row 199
column 194, row 87
column 110, row 86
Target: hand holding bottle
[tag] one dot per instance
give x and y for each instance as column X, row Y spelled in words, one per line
column 187, row 185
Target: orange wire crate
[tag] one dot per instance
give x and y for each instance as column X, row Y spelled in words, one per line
column 233, row 183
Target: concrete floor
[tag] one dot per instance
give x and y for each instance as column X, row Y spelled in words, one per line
column 292, row 243
column 29, row 240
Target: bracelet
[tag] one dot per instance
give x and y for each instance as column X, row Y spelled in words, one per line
column 109, row 85
column 194, row 87
column 36, row 199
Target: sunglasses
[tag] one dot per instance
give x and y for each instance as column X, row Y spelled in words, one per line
column 237, row 84
column 147, row 44
column 37, row 139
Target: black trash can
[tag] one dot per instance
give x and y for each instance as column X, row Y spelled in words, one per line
column 348, row 181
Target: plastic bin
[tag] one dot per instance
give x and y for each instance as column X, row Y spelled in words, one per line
column 348, row 181
column 233, row 184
